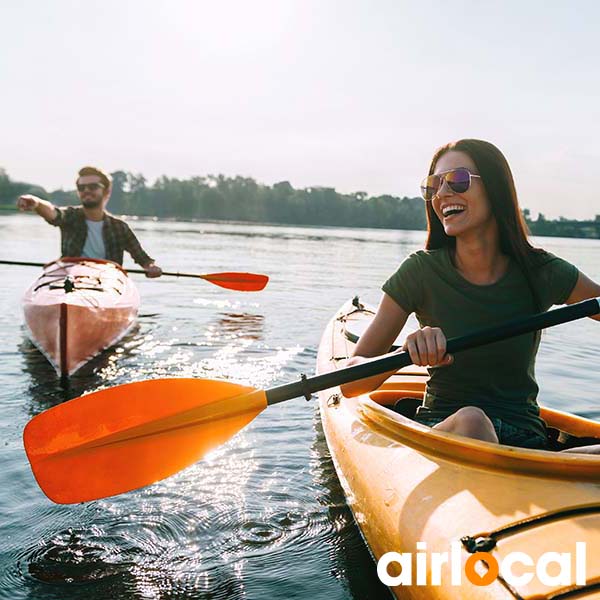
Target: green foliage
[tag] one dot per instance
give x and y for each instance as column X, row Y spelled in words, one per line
column 562, row 227
column 216, row 197
column 11, row 190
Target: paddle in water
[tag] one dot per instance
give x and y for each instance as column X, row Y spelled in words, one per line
column 241, row 282
column 131, row 435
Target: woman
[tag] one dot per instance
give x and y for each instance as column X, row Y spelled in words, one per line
column 478, row 269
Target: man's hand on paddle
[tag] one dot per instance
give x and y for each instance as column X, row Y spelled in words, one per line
column 152, row 270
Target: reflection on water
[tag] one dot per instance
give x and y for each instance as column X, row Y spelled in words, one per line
column 351, row 560
column 242, row 325
column 47, row 389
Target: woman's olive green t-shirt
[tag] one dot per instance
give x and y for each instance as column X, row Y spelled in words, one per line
column 499, row 378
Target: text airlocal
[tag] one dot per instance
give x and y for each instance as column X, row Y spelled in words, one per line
column 551, row 568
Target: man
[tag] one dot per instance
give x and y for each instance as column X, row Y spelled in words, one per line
column 89, row 230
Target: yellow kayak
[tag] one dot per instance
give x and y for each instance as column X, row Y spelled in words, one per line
column 450, row 517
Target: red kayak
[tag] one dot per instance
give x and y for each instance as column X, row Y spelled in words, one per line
column 77, row 308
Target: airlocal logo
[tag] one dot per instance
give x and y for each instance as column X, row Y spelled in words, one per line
column 432, row 563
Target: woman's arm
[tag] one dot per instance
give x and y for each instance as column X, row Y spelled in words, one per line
column 584, row 288
column 375, row 341
column 426, row 346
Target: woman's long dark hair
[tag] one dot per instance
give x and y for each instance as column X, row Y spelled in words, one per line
column 499, row 185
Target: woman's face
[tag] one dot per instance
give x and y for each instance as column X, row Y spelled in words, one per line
column 466, row 212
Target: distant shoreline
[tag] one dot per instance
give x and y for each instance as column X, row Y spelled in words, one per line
column 590, row 228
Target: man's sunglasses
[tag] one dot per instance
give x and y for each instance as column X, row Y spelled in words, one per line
column 458, row 180
column 81, row 187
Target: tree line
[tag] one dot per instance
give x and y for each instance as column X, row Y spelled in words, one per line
column 217, row 197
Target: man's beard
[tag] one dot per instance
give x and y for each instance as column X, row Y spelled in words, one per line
column 91, row 202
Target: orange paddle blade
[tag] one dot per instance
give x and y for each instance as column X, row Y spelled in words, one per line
column 242, row 282
column 130, row 436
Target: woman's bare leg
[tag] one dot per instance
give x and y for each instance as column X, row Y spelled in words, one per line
column 469, row 421
column 472, row 422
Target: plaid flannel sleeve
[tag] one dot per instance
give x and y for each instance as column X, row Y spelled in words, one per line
column 133, row 246
column 64, row 215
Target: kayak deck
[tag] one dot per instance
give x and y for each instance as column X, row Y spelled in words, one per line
column 77, row 308
column 407, row 483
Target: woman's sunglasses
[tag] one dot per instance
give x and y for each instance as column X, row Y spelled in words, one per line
column 81, row 187
column 458, row 180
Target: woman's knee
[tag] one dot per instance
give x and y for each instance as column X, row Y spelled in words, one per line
column 472, row 417
column 473, row 422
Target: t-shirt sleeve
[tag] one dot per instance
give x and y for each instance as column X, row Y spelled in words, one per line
column 556, row 280
column 405, row 286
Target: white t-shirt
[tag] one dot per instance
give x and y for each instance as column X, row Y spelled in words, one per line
column 94, row 242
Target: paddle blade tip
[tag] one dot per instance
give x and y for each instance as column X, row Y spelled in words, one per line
column 114, row 459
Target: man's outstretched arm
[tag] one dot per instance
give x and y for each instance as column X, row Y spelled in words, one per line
column 43, row 208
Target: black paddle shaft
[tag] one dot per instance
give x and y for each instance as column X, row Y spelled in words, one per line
column 393, row 362
column 141, row 271
column 38, row 264
column 23, row 264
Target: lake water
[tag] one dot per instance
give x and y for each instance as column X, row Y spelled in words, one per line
column 263, row 516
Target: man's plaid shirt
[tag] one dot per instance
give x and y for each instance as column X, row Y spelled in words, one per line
column 116, row 233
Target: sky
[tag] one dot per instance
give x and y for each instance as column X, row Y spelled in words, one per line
column 355, row 95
